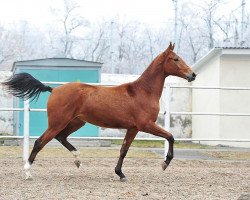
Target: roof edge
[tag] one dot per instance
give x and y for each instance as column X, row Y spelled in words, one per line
column 213, row 52
column 57, row 58
column 221, row 51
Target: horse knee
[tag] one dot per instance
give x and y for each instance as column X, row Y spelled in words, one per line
column 171, row 139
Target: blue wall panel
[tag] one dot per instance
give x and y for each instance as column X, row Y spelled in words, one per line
column 38, row 120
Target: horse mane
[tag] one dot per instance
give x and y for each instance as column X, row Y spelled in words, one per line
column 159, row 59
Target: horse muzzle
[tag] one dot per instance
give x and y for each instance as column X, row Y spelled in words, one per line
column 191, row 77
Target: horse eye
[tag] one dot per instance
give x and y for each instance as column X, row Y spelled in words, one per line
column 176, row 59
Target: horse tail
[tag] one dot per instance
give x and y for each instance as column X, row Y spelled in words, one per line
column 25, row 86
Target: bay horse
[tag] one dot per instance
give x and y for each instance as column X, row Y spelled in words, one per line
column 133, row 106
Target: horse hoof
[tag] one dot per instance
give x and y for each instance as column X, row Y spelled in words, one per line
column 164, row 165
column 123, row 179
column 28, row 176
column 78, row 163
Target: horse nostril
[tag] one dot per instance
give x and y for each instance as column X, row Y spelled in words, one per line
column 191, row 77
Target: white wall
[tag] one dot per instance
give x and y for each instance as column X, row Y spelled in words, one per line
column 222, row 70
column 6, row 101
column 235, row 72
column 206, row 101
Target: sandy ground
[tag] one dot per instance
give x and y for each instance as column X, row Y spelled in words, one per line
column 58, row 178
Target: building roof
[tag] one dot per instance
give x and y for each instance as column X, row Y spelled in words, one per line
column 219, row 51
column 56, row 62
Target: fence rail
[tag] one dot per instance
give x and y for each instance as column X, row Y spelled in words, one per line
column 211, row 114
column 139, row 139
column 167, row 115
column 210, row 88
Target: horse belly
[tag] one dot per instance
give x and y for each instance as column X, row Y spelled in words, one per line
column 108, row 115
column 107, row 120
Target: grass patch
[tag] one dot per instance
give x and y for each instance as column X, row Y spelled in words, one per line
column 160, row 144
column 190, row 145
column 141, row 143
column 61, row 152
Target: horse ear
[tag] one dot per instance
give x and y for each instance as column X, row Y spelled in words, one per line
column 173, row 46
column 169, row 47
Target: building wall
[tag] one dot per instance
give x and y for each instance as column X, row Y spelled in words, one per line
column 235, row 71
column 206, row 101
column 6, row 101
column 39, row 120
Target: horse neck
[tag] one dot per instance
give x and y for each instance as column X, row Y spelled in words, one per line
column 152, row 79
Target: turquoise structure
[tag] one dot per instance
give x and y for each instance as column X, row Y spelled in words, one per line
column 54, row 70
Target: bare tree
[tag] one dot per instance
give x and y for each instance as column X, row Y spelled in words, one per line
column 208, row 16
column 94, row 46
column 71, row 22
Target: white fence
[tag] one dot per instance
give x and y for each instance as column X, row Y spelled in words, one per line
column 167, row 114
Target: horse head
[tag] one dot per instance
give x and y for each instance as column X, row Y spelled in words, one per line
column 175, row 65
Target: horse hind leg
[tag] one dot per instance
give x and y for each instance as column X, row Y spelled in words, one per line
column 47, row 136
column 73, row 126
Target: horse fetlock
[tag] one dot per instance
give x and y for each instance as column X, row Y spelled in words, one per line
column 118, row 171
column 27, row 166
column 121, row 175
column 169, row 157
column 76, row 153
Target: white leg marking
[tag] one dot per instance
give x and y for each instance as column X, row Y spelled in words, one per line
column 27, row 167
column 76, row 155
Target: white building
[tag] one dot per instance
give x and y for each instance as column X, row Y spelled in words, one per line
column 222, row 67
column 6, row 101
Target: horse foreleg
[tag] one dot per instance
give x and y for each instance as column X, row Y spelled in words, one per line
column 130, row 135
column 158, row 131
column 62, row 138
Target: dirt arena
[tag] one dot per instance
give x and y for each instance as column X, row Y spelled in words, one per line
column 56, row 177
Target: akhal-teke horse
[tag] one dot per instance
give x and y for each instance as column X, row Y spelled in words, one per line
column 133, row 106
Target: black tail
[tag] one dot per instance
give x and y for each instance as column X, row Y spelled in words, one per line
column 25, row 86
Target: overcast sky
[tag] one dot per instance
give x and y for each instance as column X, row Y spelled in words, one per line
column 34, row 11
column 146, row 11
